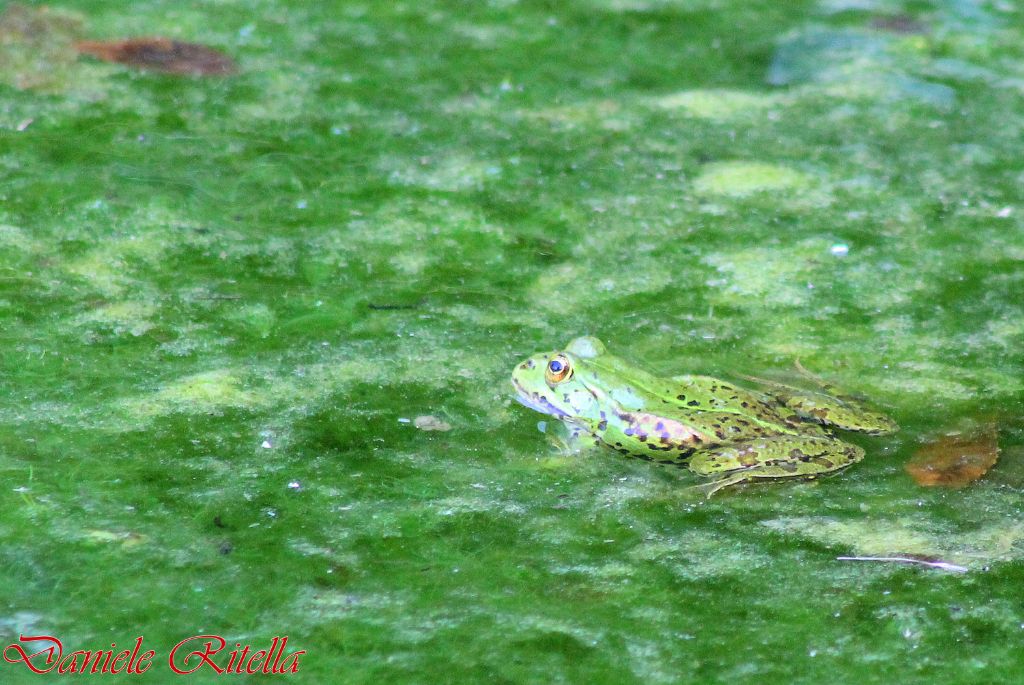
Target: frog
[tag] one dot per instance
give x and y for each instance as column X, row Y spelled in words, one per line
column 718, row 429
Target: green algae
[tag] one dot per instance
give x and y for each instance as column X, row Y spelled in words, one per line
column 119, row 318
column 716, row 104
column 999, row 541
column 233, row 309
column 738, row 179
column 205, row 393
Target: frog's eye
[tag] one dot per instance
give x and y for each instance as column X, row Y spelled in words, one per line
column 558, row 370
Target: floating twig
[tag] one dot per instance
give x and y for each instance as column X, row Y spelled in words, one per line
column 941, row 565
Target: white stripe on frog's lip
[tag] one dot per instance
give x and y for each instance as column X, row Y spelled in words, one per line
column 536, row 401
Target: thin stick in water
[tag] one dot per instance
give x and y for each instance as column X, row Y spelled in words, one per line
column 942, row 565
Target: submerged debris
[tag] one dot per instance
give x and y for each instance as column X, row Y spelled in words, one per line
column 161, row 54
column 955, row 459
column 36, row 49
column 431, row 423
column 898, row 23
column 391, row 307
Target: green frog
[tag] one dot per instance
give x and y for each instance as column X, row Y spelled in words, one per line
column 716, row 428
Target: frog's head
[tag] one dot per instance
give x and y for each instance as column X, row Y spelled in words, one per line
column 555, row 383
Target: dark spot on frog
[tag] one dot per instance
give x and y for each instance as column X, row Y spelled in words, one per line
column 681, row 398
column 693, row 403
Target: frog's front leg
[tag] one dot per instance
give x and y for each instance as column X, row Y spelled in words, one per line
column 783, row 456
column 568, row 439
column 836, row 408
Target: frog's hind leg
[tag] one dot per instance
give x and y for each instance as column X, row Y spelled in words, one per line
column 831, row 407
column 779, row 457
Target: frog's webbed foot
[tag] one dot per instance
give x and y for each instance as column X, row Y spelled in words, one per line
column 750, row 475
column 712, row 486
column 816, row 379
column 568, row 440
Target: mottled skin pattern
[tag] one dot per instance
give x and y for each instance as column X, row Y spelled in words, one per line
column 712, row 426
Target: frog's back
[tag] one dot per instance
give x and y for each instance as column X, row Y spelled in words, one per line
column 710, row 401
column 725, row 427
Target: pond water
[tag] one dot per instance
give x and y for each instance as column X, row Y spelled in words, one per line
column 256, row 332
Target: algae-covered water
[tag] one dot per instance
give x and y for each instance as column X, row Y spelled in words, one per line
column 256, row 332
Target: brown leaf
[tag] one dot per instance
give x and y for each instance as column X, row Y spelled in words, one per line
column 956, row 459
column 161, row 54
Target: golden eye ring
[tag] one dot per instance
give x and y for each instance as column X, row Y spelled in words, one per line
column 558, row 370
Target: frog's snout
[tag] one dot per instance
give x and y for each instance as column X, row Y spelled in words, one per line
column 535, row 400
